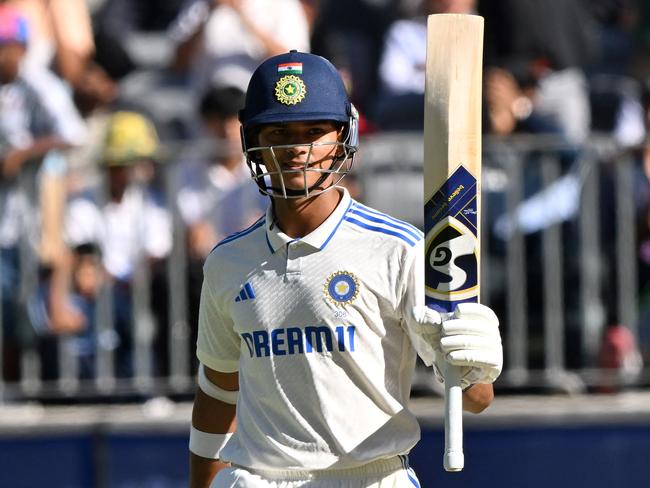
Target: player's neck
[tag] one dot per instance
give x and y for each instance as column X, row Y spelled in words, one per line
column 299, row 217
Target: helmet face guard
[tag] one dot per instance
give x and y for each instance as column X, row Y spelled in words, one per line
column 265, row 172
column 297, row 87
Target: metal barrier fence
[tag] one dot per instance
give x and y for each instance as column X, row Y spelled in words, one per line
column 559, row 249
column 559, row 264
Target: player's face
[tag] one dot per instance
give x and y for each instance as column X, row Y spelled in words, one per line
column 225, row 129
column 10, row 56
column 312, row 146
column 119, row 178
column 88, row 275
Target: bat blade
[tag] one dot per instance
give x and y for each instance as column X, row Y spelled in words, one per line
column 452, row 176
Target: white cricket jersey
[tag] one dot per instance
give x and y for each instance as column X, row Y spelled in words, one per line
column 317, row 329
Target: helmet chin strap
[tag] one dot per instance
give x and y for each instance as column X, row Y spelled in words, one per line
column 266, row 189
column 291, row 192
column 307, row 192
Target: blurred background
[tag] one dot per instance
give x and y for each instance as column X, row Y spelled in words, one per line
column 121, row 167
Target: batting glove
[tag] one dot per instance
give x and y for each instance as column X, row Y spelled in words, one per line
column 424, row 330
column 470, row 339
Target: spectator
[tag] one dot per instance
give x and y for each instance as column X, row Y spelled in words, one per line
column 118, row 28
column 130, row 225
column 534, row 56
column 510, row 108
column 61, row 37
column 211, row 33
column 351, row 35
column 206, row 37
column 518, row 91
column 65, row 306
column 96, row 98
column 543, row 47
column 218, row 196
column 63, row 41
column 404, row 55
column 37, row 117
column 402, row 65
column 620, row 358
column 117, row 17
column 615, row 94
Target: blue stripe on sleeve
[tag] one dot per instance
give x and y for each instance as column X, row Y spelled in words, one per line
column 413, row 478
column 411, row 474
column 382, row 220
column 387, row 217
column 249, row 290
column 381, row 230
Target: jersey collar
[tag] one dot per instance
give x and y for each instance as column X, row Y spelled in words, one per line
column 319, row 237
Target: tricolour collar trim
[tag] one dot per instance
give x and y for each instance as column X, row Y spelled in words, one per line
column 319, row 237
column 237, row 235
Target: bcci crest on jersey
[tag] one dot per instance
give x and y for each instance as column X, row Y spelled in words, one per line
column 341, row 288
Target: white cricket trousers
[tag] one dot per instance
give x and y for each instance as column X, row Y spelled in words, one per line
column 385, row 473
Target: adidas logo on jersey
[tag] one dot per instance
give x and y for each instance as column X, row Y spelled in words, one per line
column 246, row 293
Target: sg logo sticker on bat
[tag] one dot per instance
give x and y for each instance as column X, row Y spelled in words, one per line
column 451, row 261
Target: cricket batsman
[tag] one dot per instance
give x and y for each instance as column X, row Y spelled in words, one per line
column 311, row 319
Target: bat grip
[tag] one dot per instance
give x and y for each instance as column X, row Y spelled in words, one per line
column 454, row 459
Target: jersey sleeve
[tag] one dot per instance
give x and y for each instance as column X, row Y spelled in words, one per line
column 412, row 298
column 218, row 344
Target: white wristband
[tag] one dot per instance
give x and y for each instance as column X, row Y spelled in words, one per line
column 212, row 390
column 207, row 445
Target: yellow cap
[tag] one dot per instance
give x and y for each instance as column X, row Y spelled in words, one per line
column 130, row 136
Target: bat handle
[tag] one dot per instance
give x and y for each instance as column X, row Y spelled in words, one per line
column 454, row 459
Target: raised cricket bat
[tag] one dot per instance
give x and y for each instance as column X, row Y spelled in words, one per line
column 452, row 176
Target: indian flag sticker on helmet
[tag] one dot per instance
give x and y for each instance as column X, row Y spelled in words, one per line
column 290, row 90
column 290, row 68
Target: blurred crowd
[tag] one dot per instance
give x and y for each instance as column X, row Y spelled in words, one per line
column 118, row 124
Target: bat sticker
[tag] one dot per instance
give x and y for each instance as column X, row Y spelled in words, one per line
column 443, row 257
column 451, row 248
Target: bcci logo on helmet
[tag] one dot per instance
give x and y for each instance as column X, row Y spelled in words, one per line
column 451, row 261
column 290, row 90
column 341, row 288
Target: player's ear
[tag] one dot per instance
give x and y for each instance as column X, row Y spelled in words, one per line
column 255, row 138
column 342, row 135
column 341, row 130
column 252, row 139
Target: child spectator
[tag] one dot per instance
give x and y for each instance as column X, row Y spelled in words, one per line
column 65, row 307
column 126, row 220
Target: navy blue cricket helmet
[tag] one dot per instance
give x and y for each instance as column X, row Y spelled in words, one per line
column 296, row 87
